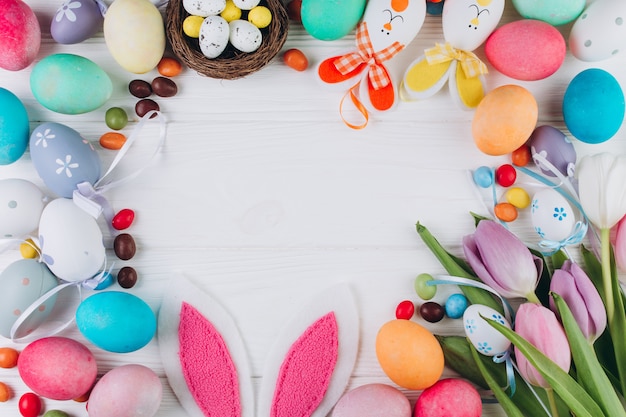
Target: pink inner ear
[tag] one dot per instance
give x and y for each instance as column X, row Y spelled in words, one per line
column 306, row 372
column 207, row 366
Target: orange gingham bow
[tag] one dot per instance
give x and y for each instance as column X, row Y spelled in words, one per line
column 365, row 54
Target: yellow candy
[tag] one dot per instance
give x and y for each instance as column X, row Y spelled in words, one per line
column 518, row 197
column 260, row 16
column 231, row 12
column 28, row 249
column 191, row 26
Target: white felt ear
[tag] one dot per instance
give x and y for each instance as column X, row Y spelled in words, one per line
column 220, row 352
column 303, row 344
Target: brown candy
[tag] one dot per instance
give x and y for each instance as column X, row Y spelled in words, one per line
column 164, row 87
column 124, row 246
column 432, row 312
column 140, row 88
column 145, row 105
column 127, row 277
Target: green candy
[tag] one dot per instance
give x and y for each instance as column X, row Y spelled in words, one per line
column 55, row 413
column 425, row 292
column 116, row 118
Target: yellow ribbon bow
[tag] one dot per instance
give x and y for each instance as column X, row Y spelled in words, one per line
column 472, row 65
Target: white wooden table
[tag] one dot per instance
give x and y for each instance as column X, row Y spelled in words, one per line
column 263, row 197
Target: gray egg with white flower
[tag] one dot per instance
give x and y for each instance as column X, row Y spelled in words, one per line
column 77, row 20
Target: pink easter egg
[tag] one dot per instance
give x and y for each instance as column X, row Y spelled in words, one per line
column 58, row 368
column 387, row 400
column 20, row 35
column 449, row 397
column 526, row 50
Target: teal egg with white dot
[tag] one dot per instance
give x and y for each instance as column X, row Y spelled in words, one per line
column 21, row 204
column 552, row 215
column 485, row 338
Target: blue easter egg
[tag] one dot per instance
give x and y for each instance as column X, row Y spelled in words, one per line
column 593, row 106
column 116, row 321
column 63, row 158
column 14, row 132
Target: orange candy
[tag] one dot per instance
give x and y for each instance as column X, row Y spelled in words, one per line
column 5, row 392
column 521, row 156
column 169, row 67
column 112, row 140
column 295, row 59
column 505, row 212
column 8, row 357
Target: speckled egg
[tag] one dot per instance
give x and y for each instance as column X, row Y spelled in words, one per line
column 599, row 32
column 76, row 21
column 552, row 215
column 20, row 35
column 526, row 50
column 63, row 158
column 485, row 338
column 126, row 391
column 556, row 12
column 22, row 283
column 385, row 399
column 593, row 106
column 15, row 128
column 116, row 321
column 58, row 368
column 21, row 204
column 204, row 8
column 329, row 20
column 550, row 144
column 244, row 35
column 214, row 34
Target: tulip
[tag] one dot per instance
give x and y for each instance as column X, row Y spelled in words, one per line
column 620, row 244
column 502, row 261
column 582, row 298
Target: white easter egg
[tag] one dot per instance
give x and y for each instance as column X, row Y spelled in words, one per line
column 389, row 22
column 552, row 215
column 204, row 8
column 468, row 23
column 244, row 35
column 214, row 33
column 246, row 4
column 600, row 31
column 21, row 204
column 70, row 241
column 485, row 338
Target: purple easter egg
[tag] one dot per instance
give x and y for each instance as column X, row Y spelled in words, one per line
column 550, row 143
column 76, row 21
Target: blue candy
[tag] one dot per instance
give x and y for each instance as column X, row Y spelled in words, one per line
column 483, row 177
column 455, row 306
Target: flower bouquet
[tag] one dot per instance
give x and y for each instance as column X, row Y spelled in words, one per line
column 565, row 342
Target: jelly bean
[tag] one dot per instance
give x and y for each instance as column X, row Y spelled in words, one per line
column 116, row 118
column 164, row 87
column 506, row 175
column 127, row 277
column 455, row 306
column 8, row 357
column 124, row 246
column 112, row 140
column 29, row 405
column 405, row 310
column 518, row 197
column 140, row 88
column 169, row 67
column 432, row 312
column 123, row 219
column 425, row 292
column 56, row 413
column 28, row 249
column 106, row 282
column 505, row 212
column 521, row 156
column 145, row 105
column 5, row 392
column 483, row 177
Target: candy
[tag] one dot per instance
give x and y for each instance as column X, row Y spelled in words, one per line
column 127, row 277
column 5, row 392
column 405, row 310
column 425, row 292
column 449, row 397
column 140, row 88
column 260, row 16
column 455, row 306
column 483, row 177
column 145, row 105
column 506, row 175
column 521, row 156
column 8, row 357
column 169, row 67
column 56, row 413
column 164, row 87
column 432, row 312
column 295, row 58
column 112, row 140
column 116, row 118
column 123, row 219
column 29, row 405
column 517, row 197
column 124, row 246
column 505, row 212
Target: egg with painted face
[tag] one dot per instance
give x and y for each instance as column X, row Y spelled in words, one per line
column 600, row 31
column 468, row 23
column 393, row 21
column 22, row 283
column 552, row 215
column 70, row 241
column 485, row 338
column 77, row 20
column 549, row 144
column 63, row 158
column 21, row 204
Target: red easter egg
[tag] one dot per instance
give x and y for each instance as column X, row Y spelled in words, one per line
column 20, row 35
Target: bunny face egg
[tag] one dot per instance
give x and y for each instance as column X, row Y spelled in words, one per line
column 21, row 205
column 552, row 215
column 389, row 22
column 485, row 338
column 76, row 21
column 467, row 23
column 214, row 33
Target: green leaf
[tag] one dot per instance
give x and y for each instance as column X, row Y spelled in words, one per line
column 576, row 398
column 617, row 327
column 589, row 370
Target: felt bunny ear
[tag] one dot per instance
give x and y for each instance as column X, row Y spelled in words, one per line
column 311, row 362
column 203, row 354
column 466, row 92
column 422, row 79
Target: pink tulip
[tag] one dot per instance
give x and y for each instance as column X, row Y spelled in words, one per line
column 620, row 244
column 539, row 326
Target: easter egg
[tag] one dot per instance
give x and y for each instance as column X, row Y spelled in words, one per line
column 547, row 143
column 20, row 35
column 557, row 12
column 21, row 204
column 599, row 32
column 141, row 22
column 504, row 119
column 360, row 401
column 126, row 391
column 15, row 128
column 116, row 321
column 62, row 158
column 467, row 24
column 399, row 23
column 485, row 338
column 246, row 4
column 593, row 106
column 71, row 241
column 22, row 283
column 449, row 397
column 58, row 368
column 552, row 215
column 526, row 50
column 409, row 354
column 76, row 21
column 59, row 82
column 244, row 35
column 329, row 20
column 204, row 8
column 214, row 34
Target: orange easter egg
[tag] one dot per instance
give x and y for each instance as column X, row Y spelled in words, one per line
column 409, row 354
column 504, row 119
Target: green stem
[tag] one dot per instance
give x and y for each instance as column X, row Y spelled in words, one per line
column 532, row 297
column 554, row 410
column 607, row 283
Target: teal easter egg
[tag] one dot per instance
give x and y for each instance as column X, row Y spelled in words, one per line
column 15, row 129
column 329, row 20
column 116, row 321
column 555, row 12
column 60, row 82
column 593, row 106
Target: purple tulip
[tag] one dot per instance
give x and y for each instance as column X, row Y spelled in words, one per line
column 539, row 326
column 502, row 261
column 582, row 297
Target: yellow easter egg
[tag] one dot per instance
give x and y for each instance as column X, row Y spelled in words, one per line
column 504, row 119
column 518, row 197
column 409, row 354
column 231, row 11
column 191, row 26
column 260, row 16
